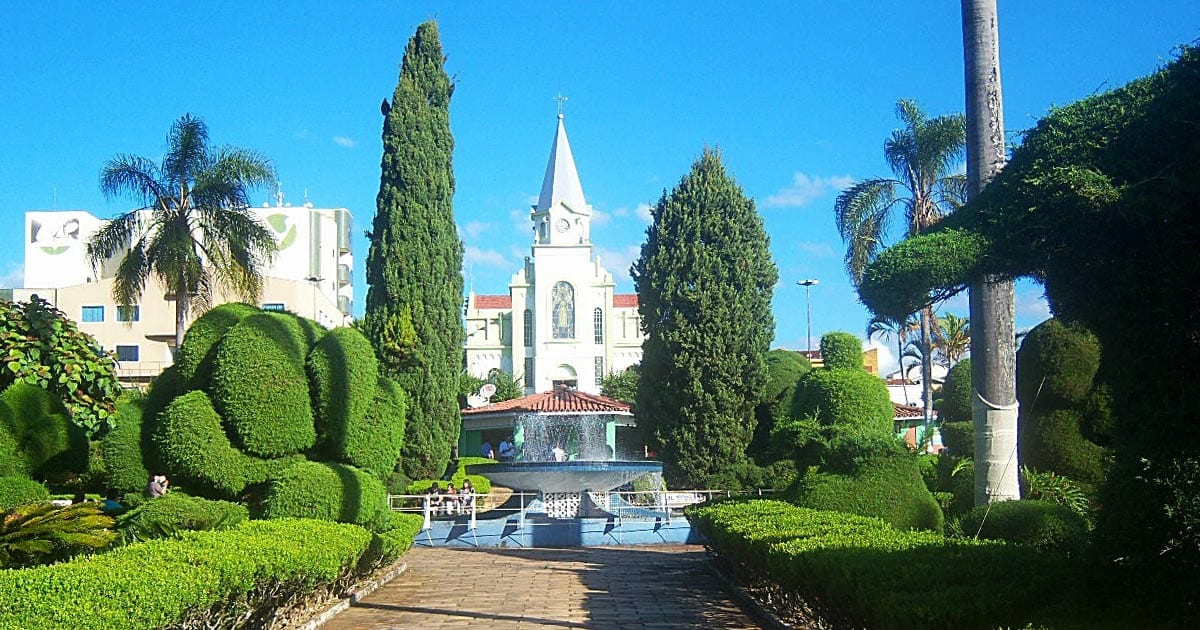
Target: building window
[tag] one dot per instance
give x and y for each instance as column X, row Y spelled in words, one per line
column 598, row 323
column 274, row 306
column 528, row 371
column 127, row 353
column 93, row 313
column 528, row 328
column 129, row 313
column 599, row 370
column 563, row 311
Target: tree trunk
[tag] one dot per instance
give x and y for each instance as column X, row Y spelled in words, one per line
column 993, row 342
column 926, row 366
column 181, row 310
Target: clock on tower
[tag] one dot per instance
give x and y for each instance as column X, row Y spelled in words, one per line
column 562, row 225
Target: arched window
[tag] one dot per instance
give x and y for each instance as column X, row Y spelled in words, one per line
column 528, row 328
column 562, row 311
column 598, row 324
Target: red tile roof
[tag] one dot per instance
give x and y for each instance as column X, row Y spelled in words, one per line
column 556, row 401
column 625, row 300
column 493, row 301
column 908, row 411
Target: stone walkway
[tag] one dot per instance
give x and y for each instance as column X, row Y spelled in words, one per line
column 662, row 586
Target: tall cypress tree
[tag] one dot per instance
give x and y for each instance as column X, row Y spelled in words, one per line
column 414, row 267
column 704, row 281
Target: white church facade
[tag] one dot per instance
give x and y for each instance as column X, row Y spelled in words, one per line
column 561, row 322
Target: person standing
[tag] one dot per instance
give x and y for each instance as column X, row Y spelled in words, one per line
column 486, row 450
column 508, row 450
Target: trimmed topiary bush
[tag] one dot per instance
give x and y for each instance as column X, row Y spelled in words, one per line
column 177, row 512
column 330, row 492
column 344, row 374
column 260, row 388
column 954, row 401
column 1052, row 441
column 374, row 443
column 16, row 491
column 1056, row 364
column 841, row 351
column 1043, row 525
column 196, row 355
column 852, row 398
column 889, row 487
column 42, row 432
column 122, row 447
column 784, row 370
column 959, row 437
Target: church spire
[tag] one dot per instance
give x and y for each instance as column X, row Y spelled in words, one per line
column 561, row 188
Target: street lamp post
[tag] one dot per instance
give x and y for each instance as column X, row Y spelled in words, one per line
column 808, row 285
column 314, row 281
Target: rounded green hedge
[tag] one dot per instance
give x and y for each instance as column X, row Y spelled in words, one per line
column 43, row 434
column 851, row 398
column 344, row 374
column 889, row 487
column 1044, row 525
column 841, row 350
column 16, row 491
column 1052, row 441
column 177, row 512
column 122, row 447
column 198, row 350
column 193, row 444
column 374, row 443
column 1056, row 365
column 954, row 403
column 329, row 492
column 260, row 387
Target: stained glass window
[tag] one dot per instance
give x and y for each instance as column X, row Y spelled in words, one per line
column 563, row 311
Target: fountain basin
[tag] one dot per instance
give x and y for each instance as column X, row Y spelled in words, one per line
column 573, row 476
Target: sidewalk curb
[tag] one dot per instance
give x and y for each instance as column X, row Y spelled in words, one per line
column 363, row 590
column 753, row 608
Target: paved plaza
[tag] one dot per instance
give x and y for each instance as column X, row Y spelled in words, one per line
column 662, row 586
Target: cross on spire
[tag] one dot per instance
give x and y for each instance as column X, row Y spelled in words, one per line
column 561, row 100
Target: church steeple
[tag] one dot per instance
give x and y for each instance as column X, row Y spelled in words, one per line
column 562, row 213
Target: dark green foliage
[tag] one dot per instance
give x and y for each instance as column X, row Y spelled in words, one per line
column 857, row 572
column 193, row 446
column 954, row 405
column 40, row 533
column 196, row 356
column 16, row 491
column 1043, row 525
column 260, row 387
column 784, row 369
column 43, row 436
column 845, row 397
column 841, row 350
column 622, row 385
column 959, row 437
column 1055, row 489
column 122, row 447
column 1056, row 365
column 329, row 492
column 374, row 444
column 226, row 579
column 176, row 512
column 1052, row 441
column 343, row 372
column 414, row 266
column 45, row 348
column 887, row 487
column 704, row 281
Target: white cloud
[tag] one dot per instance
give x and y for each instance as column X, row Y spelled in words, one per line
column 303, row 133
column 1032, row 308
column 474, row 229
column 599, row 217
column 618, row 261
column 643, row 212
column 483, row 257
column 805, row 188
column 13, row 276
column 343, row 141
column 816, row 250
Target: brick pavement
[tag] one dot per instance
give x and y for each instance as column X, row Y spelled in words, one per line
column 662, row 586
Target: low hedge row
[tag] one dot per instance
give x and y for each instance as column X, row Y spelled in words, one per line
column 243, row 574
column 860, row 572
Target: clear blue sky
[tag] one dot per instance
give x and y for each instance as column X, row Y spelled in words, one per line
column 798, row 96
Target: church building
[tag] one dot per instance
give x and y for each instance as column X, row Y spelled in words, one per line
column 561, row 322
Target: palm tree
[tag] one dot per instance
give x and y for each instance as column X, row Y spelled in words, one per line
column 953, row 339
column 924, row 156
column 993, row 361
column 195, row 231
column 887, row 327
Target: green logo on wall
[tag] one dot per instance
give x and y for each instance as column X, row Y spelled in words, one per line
column 278, row 222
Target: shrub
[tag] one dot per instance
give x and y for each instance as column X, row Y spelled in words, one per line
column 1043, row 525
column 402, row 530
column 198, row 351
column 847, row 397
column 1052, row 441
column 954, row 403
column 221, row 579
column 1056, row 364
column 887, row 487
column 122, row 447
column 841, row 350
column 329, row 492
column 43, row 434
column 39, row 533
column 374, row 443
column 260, row 387
column 16, row 491
column 1055, row 489
column 343, row 373
column 176, row 512
column 784, row 370
column 193, row 444
column 959, row 437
